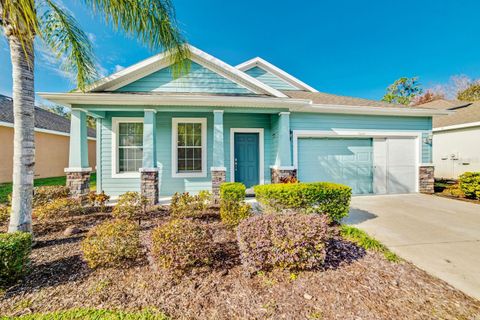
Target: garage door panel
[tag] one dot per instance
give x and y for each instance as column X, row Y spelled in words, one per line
column 346, row 161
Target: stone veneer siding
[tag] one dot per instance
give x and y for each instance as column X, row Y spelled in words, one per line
column 149, row 185
column 278, row 174
column 218, row 177
column 426, row 179
column 79, row 183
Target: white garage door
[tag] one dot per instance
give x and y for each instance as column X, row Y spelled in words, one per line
column 395, row 169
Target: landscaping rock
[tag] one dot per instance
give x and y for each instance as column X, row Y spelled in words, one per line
column 71, row 230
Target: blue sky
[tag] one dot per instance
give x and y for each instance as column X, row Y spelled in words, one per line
column 352, row 47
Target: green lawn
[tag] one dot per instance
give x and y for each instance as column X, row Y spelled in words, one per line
column 94, row 314
column 6, row 188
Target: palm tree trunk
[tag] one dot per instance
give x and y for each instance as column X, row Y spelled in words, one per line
column 23, row 144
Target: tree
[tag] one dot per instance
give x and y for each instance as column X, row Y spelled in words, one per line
column 472, row 93
column 427, row 97
column 403, row 91
column 64, row 112
column 152, row 22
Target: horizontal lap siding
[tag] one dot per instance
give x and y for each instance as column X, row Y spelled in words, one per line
column 114, row 186
column 198, row 80
column 269, row 79
column 312, row 121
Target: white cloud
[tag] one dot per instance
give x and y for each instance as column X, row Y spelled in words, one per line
column 119, row 68
column 92, row 37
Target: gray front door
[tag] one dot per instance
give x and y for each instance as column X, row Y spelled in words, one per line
column 246, row 158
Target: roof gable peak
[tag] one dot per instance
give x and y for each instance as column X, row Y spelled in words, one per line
column 267, row 66
column 161, row 60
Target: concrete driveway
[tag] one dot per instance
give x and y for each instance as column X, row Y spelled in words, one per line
column 439, row 235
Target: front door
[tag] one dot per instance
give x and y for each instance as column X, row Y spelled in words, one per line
column 246, row 158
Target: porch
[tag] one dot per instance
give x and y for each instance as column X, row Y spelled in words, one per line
column 159, row 151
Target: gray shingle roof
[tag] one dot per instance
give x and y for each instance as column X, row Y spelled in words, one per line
column 463, row 112
column 43, row 119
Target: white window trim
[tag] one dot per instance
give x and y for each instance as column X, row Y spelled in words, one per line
column 175, row 173
column 261, row 148
column 417, row 135
column 115, row 165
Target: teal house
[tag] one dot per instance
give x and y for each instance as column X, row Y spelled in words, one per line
column 253, row 123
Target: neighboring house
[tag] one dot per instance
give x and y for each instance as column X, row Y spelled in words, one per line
column 253, row 123
column 456, row 138
column 51, row 142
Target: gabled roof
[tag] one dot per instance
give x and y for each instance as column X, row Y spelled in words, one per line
column 443, row 104
column 333, row 99
column 463, row 114
column 162, row 60
column 267, row 66
column 43, row 119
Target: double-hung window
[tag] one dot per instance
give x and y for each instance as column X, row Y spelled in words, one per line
column 128, row 147
column 189, row 147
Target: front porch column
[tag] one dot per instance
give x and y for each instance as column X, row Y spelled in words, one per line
column 149, row 177
column 78, row 171
column 218, row 170
column 283, row 171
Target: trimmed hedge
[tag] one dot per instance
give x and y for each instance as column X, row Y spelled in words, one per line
column 131, row 205
column 184, row 205
column 15, row 250
column 58, row 208
column 287, row 241
column 181, row 245
column 327, row 198
column 111, row 243
column 235, row 191
column 470, row 184
column 233, row 209
column 43, row 195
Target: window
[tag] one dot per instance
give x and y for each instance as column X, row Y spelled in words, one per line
column 189, row 142
column 128, row 146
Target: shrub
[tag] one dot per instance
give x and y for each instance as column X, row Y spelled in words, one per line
column 470, row 184
column 287, row 241
column 233, row 212
column 318, row 197
column 4, row 213
column 43, row 195
column 235, row 191
column 15, row 249
column 181, row 245
column 184, row 205
column 453, row 191
column 111, row 243
column 98, row 199
column 130, row 205
column 58, row 208
column 232, row 208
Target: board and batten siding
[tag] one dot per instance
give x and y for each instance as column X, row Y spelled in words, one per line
column 198, row 80
column 168, row 184
column 270, row 79
column 325, row 122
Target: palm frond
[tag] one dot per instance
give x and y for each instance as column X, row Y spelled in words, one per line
column 153, row 22
column 61, row 32
column 19, row 18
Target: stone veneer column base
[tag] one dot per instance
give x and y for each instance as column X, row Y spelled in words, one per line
column 78, row 181
column 426, row 179
column 149, row 184
column 219, row 176
column 280, row 174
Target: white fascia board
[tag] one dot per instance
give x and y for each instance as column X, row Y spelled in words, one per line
column 267, row 66
column 169, row 100
column 332, row 108
column 457, row 126
column 160, row 61
column 41, row 130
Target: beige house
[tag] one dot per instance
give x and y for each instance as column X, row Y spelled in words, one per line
column 456, row 138
column 52, row 140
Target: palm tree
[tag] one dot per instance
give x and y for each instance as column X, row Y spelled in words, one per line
column 153, row 22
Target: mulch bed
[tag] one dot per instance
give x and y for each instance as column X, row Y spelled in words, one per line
column 353, row 284
column 443, row 195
